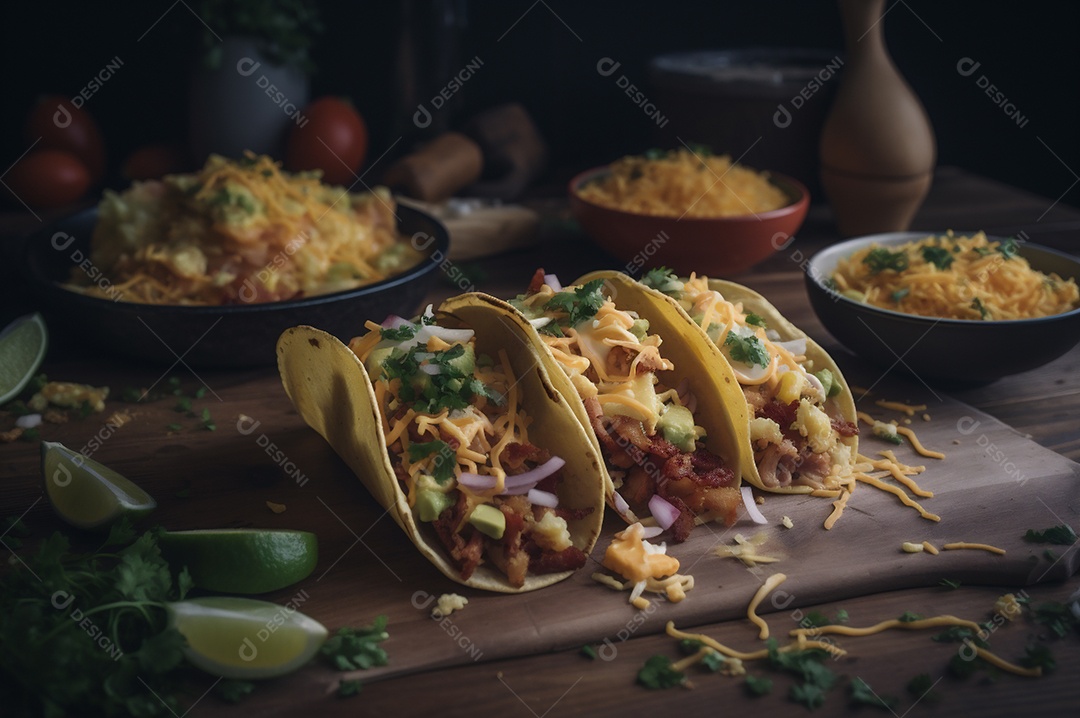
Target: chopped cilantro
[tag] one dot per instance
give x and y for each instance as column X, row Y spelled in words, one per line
column 443, row 466
column 910, row 617
column 814, row 619
column 1057, row 617
column 1050, row 555
column 1039, row 656
column 657, row 673
column 183, row 405
column 749, row 350
column 207, row 422
column 921, row 687
column 1009, row 248
column 1062, row 535
column 690, row 646
column 977, row 305
column 131, row 395
column 31, row 435
column 200, row 392
column 879, row 259
column 348, row 689
column 400, row 334
column 899, row 295
column 18, row 408
column 937, row 256
column 663, row 280
column 588, row 651
column 841, row 616
column 758, row 686
column 949, row 584
column 959, row 634
column 552, row 329
column 756, row 319
column 807, row 694
column 962, row 667
column 862, row 694
column 174, row 427
column 352, row 649
column 713, row 661
column 579, row 305
column 85, row 409
column 982, row 251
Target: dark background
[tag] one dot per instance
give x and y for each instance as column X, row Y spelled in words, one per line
column 1028, row 50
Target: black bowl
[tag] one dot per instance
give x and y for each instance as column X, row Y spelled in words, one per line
column 943, row 351
column 207, row 336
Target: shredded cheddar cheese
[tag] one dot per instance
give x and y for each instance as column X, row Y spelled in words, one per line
column 842, row 630
column 930, row 548
column 917, row 445
column 973, row 546
column 908, row 409
column 711, row 642
column 838, row 510
column 751, row 610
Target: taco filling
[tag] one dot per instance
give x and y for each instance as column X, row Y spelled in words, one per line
column 797, row 429
column 652, row 444
column 457, row 432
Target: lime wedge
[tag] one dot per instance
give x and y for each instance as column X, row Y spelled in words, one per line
column 22, row 347
column 244, row 638
column 88, row 494
column 242, row 560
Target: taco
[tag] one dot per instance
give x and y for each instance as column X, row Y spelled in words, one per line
column 803, row 428
column 458, row 432
column 659, row 418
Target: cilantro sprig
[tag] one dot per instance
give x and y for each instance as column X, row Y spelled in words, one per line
column 1062, row 535
column 580, row 305
column 749, row 350
column 663, row 280
column 940, row 257
column 443, row 465
column 879, row 259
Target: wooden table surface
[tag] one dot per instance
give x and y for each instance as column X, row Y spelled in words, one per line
column 1044, row 404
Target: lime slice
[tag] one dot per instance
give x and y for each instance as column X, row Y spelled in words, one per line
column 242, row 560
column 87, row 494
column 244, row 638
column 22, row 347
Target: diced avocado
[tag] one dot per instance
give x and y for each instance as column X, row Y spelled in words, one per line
column 375, row 359
column 677, row 423
column 533, row 311
column 432, row 502
column 488, row 520
column 828, row 382
column 640, row 328
column 466, row 363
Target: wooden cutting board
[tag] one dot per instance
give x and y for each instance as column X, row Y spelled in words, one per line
column 993, row 485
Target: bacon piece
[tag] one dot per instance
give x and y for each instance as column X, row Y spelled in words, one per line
column 508, row 554
column 710, row 470
column 569, row 559
column 537, row 281
column 782, row 414
column 514, row 456
column 612, row 451
column 845, row 428
column 680, row 530
column 638, row 488
column 465, row 554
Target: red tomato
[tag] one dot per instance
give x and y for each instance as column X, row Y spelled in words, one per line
column 334, row 139
column 62, row 126
column 46, row 179
column 153, row 162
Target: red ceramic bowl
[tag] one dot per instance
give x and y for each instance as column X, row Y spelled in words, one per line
column 717, row 247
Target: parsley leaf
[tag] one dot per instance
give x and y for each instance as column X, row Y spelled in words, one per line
column 400, row 334
column 1062, row 535
column 959, row 634
column 588, row 652
column 910, row 617
column 937, row 256
column 758, row 686
column 580, row 305
column 348, row 689
column 1057, row 617
column 807, row 694
column 756, row 319
column 863, row 694
column 1039, row 656
column 713, row 661
column 749, row 350
column 879, row 259
column 657, row 673
column 352, row 649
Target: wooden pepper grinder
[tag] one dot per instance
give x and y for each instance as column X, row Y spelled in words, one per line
column 877, row 145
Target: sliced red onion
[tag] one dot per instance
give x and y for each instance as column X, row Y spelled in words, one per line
column 649, row 532
column 431, row 369
column 691, row 404
column 552, row 281
column 543, row 498
column 393, row 321
column 532, row 476
column 664, row 513
column 795, row 346
column 683, row 386
column 751, row 507
column 477, row 482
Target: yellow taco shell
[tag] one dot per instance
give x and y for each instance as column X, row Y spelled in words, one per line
column 331, row 390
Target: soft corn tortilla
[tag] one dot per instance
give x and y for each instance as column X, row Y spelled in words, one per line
column 331, row 389
column 843, row 404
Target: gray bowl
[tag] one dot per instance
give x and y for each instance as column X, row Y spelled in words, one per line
column 943, row 351
column 236, row 335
